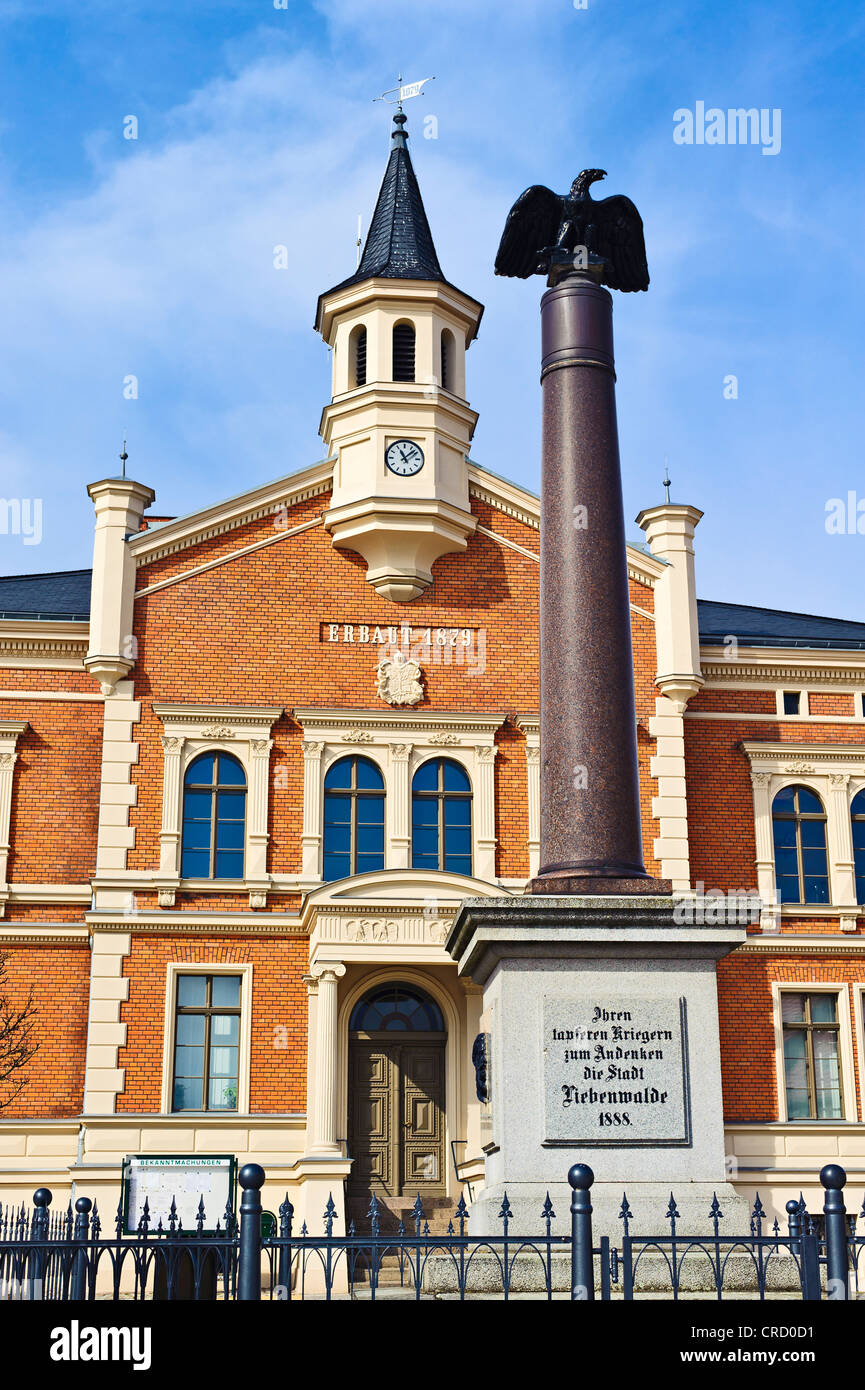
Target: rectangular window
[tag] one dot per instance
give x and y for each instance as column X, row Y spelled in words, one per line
column 206, row 1042
column 812, row 1069
column 792, row 701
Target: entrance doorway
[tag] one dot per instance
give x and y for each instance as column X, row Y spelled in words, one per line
column 396, row 1098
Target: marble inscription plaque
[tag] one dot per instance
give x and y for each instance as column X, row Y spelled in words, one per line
column 616, row 1071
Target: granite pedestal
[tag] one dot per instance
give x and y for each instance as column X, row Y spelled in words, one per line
column 602, row 1021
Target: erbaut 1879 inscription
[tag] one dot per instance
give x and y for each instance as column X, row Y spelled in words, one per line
column 616, row 1071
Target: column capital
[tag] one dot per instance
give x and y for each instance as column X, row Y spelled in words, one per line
column 322, row 969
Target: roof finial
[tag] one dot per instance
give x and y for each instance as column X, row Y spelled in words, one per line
column 124, row 456
column 667, row 480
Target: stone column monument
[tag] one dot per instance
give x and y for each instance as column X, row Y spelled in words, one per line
column 599, row 1006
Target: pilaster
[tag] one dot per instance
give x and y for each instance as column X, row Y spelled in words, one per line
column 10, row 732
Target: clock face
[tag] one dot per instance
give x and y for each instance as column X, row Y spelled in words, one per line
column 404, row 457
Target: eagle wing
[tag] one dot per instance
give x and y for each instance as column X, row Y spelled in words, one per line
column 532, row 225
column 620, row 241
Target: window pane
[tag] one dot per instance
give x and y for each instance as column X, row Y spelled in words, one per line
column 189, row 1061
column 230, row 772
column 337, row 839
column 813, row 833
column 458, row 864
column 458, row 811
column 859, row 834
column 809, row 802
column 425, row 841
column 337, row 810
column 336, row 866
column 857, row 807
column 458, row 840
column 816, row 890
column 229, row 834
column 231, row 806
column 187, row 1094
column 455, row 778
column 196, row 834
column 793, row 1008
column 225, row 993
column 786, row 861
column 823, row 1008
column 424, row 861
column 370, row 839
column 196, row 805
column 369, row 863
column 190, row 1029
column 791, row 702
column 426, row 777
column 191, row 989
column 222, row 1094
column 370, row 810
column 425, row 811
column 229, row 864
column 200, row 771
column 195, row 864
column 814, row 861
column 788, row 889
column 368, row 775
column 223, row 1061
column 784, row 799
column 339, row 775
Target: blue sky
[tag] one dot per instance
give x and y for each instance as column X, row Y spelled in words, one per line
column 154, row 257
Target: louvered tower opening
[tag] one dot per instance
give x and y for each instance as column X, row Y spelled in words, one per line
column 360, row 357
column 403, row 352
column 447, row 360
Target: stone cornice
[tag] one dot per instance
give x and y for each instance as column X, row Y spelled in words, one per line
column 42, row 934
column 425, row 723
column 261, row 716
column 29, row 640
column 789, row 943
column 766, row 667
column 827, row 753
column 224, row 923
column 228, row 515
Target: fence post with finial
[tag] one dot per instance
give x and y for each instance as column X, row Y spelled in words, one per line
column 833, row 1177
column 251, row 1179
column 581, row 1178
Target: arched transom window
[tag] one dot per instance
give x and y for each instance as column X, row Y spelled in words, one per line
column 799, row 831
column 396, row 1008
column 353, row 818
column 857, row 816
column 441, row 817
column 214, row 817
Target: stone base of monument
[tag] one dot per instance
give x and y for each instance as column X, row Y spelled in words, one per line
column 602, row 1019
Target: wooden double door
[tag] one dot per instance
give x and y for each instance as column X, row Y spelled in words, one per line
column 396, row 1115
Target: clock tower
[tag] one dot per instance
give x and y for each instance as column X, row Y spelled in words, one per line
column 398, row 424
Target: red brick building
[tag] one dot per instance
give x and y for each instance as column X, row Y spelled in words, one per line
column 252, row 762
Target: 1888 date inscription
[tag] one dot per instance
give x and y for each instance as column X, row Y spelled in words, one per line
column 616, row 1071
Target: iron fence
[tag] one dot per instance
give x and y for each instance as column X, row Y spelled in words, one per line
column 67, row 1256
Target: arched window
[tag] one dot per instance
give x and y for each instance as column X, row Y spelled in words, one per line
column 396, row 1008
column 357, row 359
column 441, row 817
column 214, row 817
column 403, row 352
column 353, row 818
column 448, row 353
column 857, row 815
column 799, row 830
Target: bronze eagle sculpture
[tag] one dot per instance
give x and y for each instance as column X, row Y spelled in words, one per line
column 610, row 230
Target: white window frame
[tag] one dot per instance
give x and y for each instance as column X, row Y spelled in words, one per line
column 804, row 706
column 398, row 744
column 845, row 1046
column 173, row 970
column 10, row 732
column 243, row 732
column 833, row 773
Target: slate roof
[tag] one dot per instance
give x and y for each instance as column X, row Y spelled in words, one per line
column 62, row 596
column 773, row 627
column 399, row 244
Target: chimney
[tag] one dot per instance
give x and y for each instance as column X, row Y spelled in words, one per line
column 119, row 504
column 670, row 533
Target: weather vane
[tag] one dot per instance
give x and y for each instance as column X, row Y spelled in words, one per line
column 667, row 480
column 395, row 96
column 124, row 456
